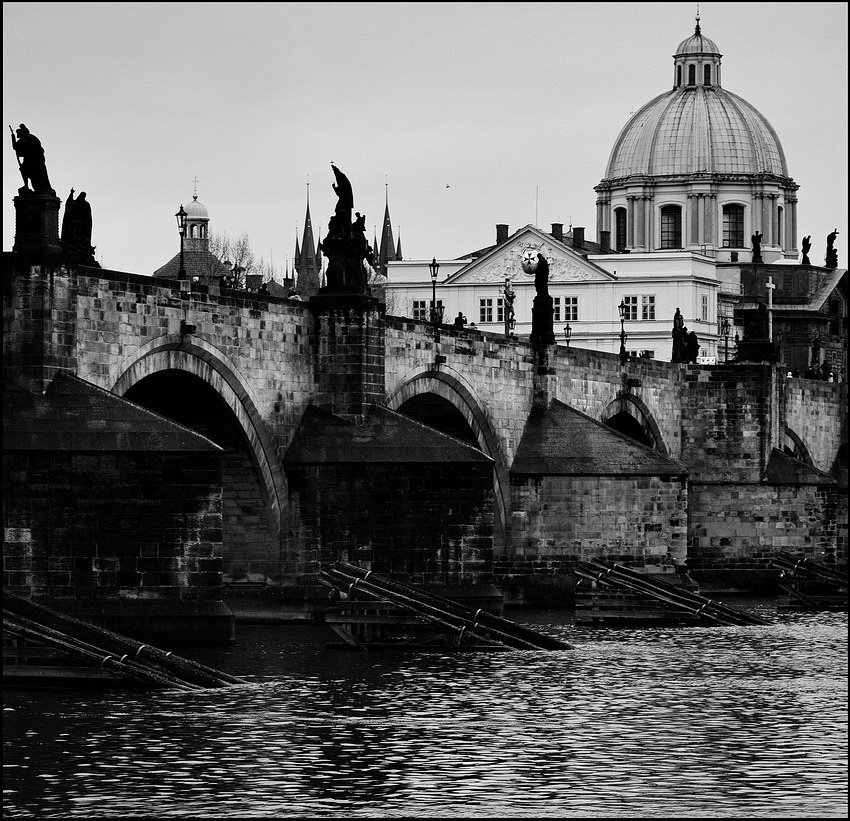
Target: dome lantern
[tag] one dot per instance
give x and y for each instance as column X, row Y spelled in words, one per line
column 696, row 61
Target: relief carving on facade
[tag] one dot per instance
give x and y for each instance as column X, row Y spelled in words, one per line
column 508, row 265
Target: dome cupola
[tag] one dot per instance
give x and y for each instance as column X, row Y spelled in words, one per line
column 697, row 167
column 696, row 61
column 197, row 223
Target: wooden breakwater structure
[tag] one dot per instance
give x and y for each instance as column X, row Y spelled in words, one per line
column 42, row 646
column 611, row 594
column 372, row 612
column 809, row 585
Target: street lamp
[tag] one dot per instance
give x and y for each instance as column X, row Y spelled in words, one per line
column 724, row 332
column 623, row 355
column 567, row 333
column 181, row 227
column 436, row 316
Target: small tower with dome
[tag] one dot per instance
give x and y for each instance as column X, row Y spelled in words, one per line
column 200, row 263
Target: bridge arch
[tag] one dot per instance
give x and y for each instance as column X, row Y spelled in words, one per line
column 445, row 403
column 629, row 414
column 197, row 361
column 796, row 447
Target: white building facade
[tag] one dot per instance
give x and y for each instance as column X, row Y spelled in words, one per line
column 693, row 179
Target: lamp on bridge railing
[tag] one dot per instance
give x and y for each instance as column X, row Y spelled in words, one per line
column 623, row 354
column 567, row 334
column 181, row 227
column 436, row 314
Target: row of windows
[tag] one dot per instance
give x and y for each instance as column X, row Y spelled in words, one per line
column 564, row 309
column 692, row 75
column 671, row 227
column 647, row 307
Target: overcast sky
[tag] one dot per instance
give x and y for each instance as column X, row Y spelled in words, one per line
column 473, row 114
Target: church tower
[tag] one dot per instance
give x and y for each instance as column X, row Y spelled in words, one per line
column 387, row 252
column 306, row 263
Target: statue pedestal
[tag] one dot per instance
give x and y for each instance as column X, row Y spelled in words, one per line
column 37, row 226
column 757, row 350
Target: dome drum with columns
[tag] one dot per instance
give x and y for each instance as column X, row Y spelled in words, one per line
column 698, row 168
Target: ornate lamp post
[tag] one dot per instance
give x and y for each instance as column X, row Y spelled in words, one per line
column 724, row 332
column 181, row 227
column 436, row 315
column 567, row 334
column 623, row 354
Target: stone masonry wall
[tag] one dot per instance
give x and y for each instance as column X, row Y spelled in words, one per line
column 353, row 512
column 634, row 519
column 112, row 525
column 743, row 526
column 817, row 412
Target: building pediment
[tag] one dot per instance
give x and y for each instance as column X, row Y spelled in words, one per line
column 504, row 261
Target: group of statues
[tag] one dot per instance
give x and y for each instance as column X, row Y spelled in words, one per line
column 75, row 235
column 685, row 342
column 348, row 251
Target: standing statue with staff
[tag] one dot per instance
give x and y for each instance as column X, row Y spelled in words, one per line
column 31, row 163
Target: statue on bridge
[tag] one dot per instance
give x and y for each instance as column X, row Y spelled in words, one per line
column 31, row 161
column 756, row 239
column 76, row 232
column 685, row 343
column 542, row 329
column 807, row 246
column 346, row 247
column 831, row 260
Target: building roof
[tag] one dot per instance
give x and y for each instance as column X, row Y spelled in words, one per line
column 74, row 415
column 194, row 210
column 562, row 441
column 197, row 262
column 697, row 128
column 697, row 43
column 383, row 437
column 783, row 469
column 568, row 240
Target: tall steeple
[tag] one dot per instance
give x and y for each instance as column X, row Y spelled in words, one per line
column 305, row 261
column 387, row 251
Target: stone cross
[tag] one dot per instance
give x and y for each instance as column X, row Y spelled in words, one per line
column 195, row 183
column 771, row 287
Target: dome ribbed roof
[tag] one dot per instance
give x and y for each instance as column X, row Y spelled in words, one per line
column 697, row 129
column 195, row 210
column 697, row 44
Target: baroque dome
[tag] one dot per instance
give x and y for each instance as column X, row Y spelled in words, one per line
column 697, row 129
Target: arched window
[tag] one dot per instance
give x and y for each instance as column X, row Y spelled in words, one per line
column 678, row 76
column 671, row 226
column 733, row 226
column 692, row 75
column 706, row 75
column 193, row 231
column 203, row 232
column 620, row 229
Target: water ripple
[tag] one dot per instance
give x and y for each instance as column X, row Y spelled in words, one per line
column 684, row 722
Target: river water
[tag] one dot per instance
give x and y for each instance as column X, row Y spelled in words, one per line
column 654, row 722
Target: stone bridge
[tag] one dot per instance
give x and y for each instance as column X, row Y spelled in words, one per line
column 651, row 461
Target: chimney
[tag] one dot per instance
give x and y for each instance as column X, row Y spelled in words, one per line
column 605, row 241
column 558, row 231
column 578, row 237
column 501, row 234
